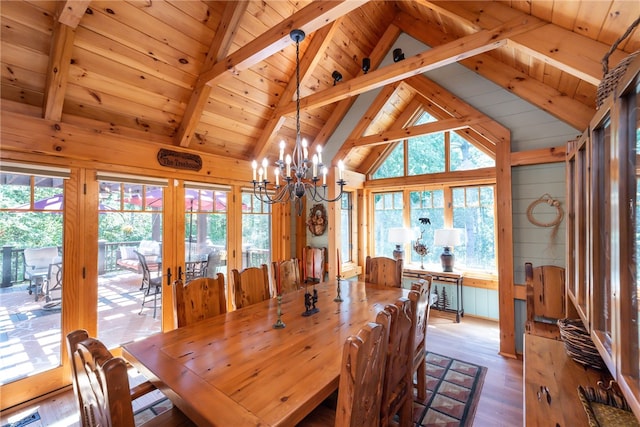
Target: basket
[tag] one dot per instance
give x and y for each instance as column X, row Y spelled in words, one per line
column 611, row 77
column 578, row 343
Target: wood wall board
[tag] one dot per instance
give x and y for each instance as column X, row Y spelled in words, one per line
column 178, row 43
column 102, row 46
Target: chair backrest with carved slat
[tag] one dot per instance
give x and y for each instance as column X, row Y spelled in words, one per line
column 251, row 285
column 383, row 271
column 397, row 395
column 361, row 375
column 314, row 266
column 422, row 309
column 289, row 275
column 199, row 299
column 103, row 383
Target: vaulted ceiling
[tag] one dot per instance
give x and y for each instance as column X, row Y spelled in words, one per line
column 219, row 77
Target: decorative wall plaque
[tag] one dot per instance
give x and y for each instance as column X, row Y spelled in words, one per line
column 317, row 220
column 178, row 160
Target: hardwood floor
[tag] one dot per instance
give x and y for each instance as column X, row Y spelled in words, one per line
column 472, row 340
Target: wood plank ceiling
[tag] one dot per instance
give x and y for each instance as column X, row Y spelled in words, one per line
column 219, row 77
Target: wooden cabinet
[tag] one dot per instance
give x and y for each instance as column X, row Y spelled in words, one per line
column 604, row 232
column 551, row 379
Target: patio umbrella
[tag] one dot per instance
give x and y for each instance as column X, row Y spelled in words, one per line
column 194, row 200
column 54, row 203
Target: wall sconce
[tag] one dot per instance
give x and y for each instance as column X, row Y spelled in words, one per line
column 397, row 55
column 366, row 65
column 336, row 77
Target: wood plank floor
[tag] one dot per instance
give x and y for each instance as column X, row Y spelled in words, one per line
column 472, row 340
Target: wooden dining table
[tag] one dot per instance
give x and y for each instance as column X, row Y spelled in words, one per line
column 235, row 369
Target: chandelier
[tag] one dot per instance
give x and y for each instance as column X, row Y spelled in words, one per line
column 295, row 175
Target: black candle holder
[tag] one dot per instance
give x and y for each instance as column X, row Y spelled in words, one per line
column 338, row 297
column 310, row 299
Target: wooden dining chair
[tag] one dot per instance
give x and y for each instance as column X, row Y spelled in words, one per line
column 151, row 287
column 421, row 307
column 314, row 265
column 383, row 271
column 199, row 299
column 360, row 387
column 289, row 275
column 101, row 385
column 397, row 391
column 250, row 285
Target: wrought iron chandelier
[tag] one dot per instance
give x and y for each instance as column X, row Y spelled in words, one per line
column 293, row 169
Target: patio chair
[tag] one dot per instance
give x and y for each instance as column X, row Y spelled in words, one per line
column 36, row 267
column 101, row 386
column 151, row 286
column 383, row 271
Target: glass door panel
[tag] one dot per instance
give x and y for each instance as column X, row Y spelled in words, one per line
column 31, row 237
column 256, row 231
column 205, row 233
column 129, row 262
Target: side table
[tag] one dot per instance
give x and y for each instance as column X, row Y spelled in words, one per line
column 454, row 277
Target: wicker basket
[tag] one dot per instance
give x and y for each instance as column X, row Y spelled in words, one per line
column 578, row 343
column 611, row 77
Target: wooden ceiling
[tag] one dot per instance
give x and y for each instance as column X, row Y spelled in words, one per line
column 219, row 77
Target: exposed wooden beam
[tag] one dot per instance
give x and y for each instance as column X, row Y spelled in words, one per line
column 60, row 57
column 378, row 154
column 377, row 56
column 71, row 12
column 309, row 19
column 568, row 51
column 321, row 39
column 564, row 108
column 539, row 156
column 415, row 131
column 439, row 56
column 371, row 112
column 219, row 48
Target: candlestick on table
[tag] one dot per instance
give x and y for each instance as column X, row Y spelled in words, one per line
column 279, row 323
column 338, row 297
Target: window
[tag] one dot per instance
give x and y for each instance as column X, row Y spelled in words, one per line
column 346, row 228
column 205, row 230
column 473, row 212
column 427, row 204
column 387, row 214
column 450, row 199
column 256, row 231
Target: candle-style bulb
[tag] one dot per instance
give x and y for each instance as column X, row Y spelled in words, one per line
column 254, row 166
column 265, row 163
column 314, row 160
column 287, row 161
column 340, row 169
column 277, row 173
column 282, row 145
column 319, row 150
column 324, row 175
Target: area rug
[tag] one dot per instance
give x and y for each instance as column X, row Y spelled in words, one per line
column 453, row 392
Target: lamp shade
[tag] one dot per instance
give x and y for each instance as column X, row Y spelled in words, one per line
column 447, row 237
column 401, row 235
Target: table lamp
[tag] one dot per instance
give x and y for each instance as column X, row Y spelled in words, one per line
column 400, row 236
column 448, row 238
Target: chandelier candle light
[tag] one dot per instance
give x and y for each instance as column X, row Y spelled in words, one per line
column 294, row 169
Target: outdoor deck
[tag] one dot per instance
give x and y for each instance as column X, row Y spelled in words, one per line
column 30, row 334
